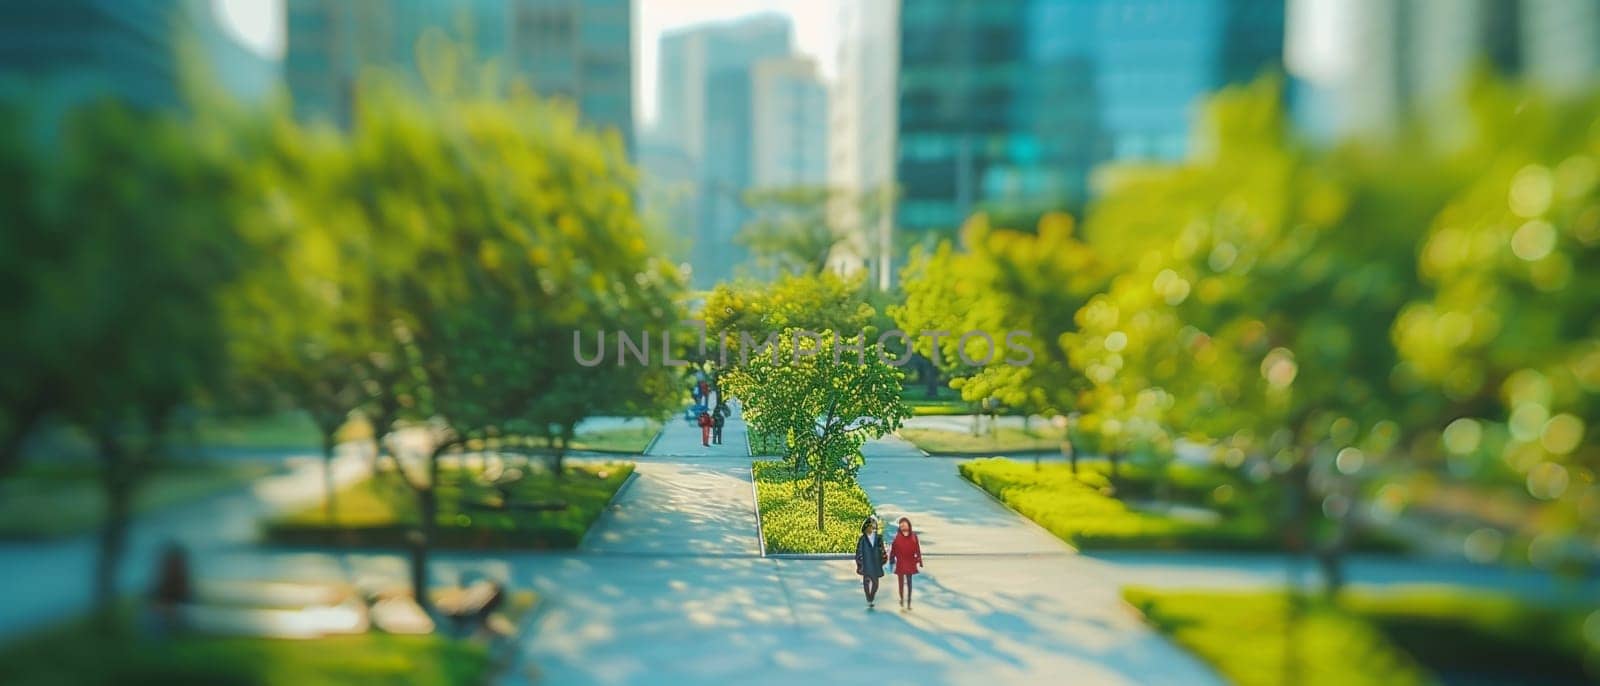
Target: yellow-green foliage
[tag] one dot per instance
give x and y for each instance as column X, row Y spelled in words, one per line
column 789, row 516
column 1250, row 638
column 1079, row 510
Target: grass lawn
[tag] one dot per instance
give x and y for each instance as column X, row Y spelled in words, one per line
column 381, row 511
column 789, row 517
column 632, row 439
column 288, row 429
column 1006, row 439
column 45, row 500
column 1410, row 636
column 75, row 654
column 1078, row 510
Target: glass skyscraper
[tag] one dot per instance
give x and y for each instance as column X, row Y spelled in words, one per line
column 579, row 50
column 1009, row 104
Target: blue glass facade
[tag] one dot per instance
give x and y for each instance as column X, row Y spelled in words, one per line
column 1011, row 103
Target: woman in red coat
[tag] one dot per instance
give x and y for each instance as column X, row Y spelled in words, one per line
column 905, row 554
column 704, row 420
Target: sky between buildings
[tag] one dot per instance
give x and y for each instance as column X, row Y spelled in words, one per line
column 258, row 24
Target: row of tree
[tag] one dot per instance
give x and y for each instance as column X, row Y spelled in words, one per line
column 425, row 269
column 1331, row 313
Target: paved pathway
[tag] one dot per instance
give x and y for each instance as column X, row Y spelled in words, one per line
column 670, row 588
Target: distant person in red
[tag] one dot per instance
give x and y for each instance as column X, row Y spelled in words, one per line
column 704, row 420
column 905, row 555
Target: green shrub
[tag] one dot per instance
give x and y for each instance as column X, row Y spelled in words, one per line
column 763, row 443
column 381, row 512
column 1259, row 638
column 1398, row 636
column 1080, row 510
column 1497, row 638
column 789, row 517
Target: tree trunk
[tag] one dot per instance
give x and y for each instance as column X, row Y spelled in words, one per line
column 422, row 541
column 822, row 484
column 930, row 376
column 1071, row 455
column 11, row 442
column 328, row 488
column 1295, row 536
column 427, row 524
column 1115, row 457
column 1330, row 556
column 558, row 458
column 117, row 480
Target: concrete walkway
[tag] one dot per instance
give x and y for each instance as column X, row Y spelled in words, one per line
column 670, row 588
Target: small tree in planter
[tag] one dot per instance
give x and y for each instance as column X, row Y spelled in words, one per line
column 827, row 395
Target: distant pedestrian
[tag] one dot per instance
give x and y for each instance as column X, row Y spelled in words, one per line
column 870, row 557
column 704, row 420
column 905, row 555
column 717, row 419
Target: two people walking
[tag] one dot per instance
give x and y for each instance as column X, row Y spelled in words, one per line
column 903, row 556
column 711, row 424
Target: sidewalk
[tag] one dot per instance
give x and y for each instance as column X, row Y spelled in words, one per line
column 681, row 438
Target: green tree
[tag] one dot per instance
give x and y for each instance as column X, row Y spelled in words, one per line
column 1033, row 283
column 515, row 230
column 796, row 230
column 825, row 399
column 939, row 295
column 139, row 205
column 1505, row 330
column 815, row 302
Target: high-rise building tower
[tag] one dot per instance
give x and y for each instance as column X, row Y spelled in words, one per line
column 861, row 135
column 1009, row 104
column 1365, row 68
column 789, row 123
column 61, row 53
column 578, row 50
column 705, row 107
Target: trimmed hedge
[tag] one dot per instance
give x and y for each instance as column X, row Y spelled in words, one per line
column 1079, row 511
column 380, row 512
column 1407, row 636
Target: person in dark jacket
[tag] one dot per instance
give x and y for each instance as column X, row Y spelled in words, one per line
column 717, row 420
column 906, row 556
column 870, row 557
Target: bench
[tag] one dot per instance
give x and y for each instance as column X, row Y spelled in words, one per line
column 471, row 606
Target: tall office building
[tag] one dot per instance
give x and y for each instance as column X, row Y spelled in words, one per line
column 789, row 121
column 579, row 50
column 1011, row 103
column 704, row 96
column 65, row 52
column 861, row 135
column 1365, row 68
